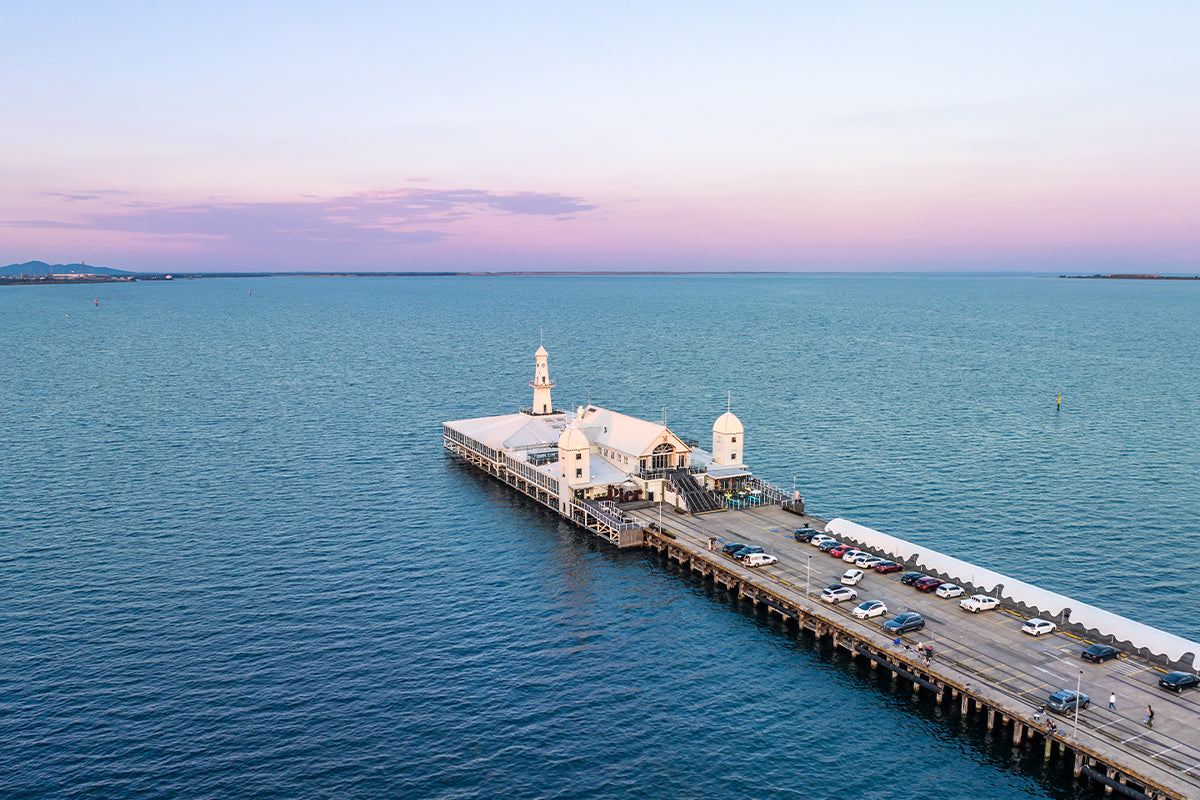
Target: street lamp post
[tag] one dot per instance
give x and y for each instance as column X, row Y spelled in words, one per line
column 807, row 579
column 1074, row 733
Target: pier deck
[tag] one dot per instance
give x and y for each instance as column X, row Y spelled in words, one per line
column 982, row 660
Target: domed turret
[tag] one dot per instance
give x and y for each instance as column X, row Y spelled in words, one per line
column 728, row 446
column 574, row 456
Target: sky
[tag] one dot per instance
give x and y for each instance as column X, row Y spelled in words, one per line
column 586, row 136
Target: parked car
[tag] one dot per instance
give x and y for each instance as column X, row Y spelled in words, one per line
column 804, row 534
column 732, row 548
column 759, row 560
column 840, row 550
column 820, row 537
column 903, row 623
column 1036, row 627
column 850, row 555
column 748, row 550
column 978, row 602
column 871, row 608
column 1099, row 652
column 1177, row 681
column 836, row 594
column 949, row 590
column 852, row 576
column 867, row 561
column 909, row 578
column 1065, row 700
column 884, row 567
column 927, row 584
column 827, row 545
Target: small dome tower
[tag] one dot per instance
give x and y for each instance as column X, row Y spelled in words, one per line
column 574, row 456
column 728, row 446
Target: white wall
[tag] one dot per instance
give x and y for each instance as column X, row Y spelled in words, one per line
column 1042, row 602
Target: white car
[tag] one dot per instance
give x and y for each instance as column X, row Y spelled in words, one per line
column 852, row 554
column 851, row 577
column 759, row 560
column 820, row 537
column 871, row 608
column 836, row 594
column 949, row 590
column 978, row 602
column 1036, row 627
column 867, row 561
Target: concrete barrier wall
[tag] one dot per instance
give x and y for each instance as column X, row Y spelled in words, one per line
column 1039, row 602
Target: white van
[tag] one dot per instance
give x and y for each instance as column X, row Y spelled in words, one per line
column 759, row 560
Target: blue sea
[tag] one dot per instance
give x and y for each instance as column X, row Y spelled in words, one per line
column 236, row 563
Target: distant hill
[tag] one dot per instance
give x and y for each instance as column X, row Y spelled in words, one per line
column 42, row 268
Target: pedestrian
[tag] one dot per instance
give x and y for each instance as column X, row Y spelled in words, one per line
column 1112, row 700
column 1149, row 717
column 1052, row 727
column 929, row 654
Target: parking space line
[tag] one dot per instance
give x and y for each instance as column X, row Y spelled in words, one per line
column 1131, row 738
column 1169, row 749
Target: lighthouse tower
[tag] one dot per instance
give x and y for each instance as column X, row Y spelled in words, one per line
column 541, row 384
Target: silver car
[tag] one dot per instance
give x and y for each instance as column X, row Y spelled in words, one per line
column 836, row 594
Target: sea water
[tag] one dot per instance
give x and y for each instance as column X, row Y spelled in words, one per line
column 235, row 561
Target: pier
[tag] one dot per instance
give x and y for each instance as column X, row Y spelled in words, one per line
column 639, row 485
column 983, row 665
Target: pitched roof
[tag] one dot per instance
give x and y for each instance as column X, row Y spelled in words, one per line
column 628, row 434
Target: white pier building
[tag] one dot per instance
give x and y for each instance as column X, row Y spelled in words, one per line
column 585, row 463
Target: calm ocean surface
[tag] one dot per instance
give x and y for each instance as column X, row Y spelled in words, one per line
column 236, row 563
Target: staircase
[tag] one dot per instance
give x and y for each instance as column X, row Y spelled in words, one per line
column 698, row 499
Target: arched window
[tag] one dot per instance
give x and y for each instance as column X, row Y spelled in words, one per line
column 661, row 458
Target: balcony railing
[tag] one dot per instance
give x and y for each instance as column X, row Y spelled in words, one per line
column 656, row 474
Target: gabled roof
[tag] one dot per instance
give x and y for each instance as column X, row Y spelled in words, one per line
column 628, row 434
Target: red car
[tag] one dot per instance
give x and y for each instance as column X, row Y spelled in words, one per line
column 928, row 584
column 840, row 550
column 888, row 566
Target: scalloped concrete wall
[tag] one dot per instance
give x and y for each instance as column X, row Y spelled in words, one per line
column 1134, row 635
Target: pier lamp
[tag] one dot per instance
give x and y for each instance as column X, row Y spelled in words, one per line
column 1075, row 730
column 807, row 579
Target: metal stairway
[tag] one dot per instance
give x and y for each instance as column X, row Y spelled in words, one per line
column 698, row 499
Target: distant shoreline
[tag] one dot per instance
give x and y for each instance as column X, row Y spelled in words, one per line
column 1135, row 277
column 133, row 277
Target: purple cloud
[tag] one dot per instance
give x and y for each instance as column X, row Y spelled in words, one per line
column 402, row 216
column 72, row 197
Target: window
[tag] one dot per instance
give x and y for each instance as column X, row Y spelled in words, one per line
column 733, row 438
column 733, row 456
column 661, row 457
column 578, row 473
column 578, row 456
